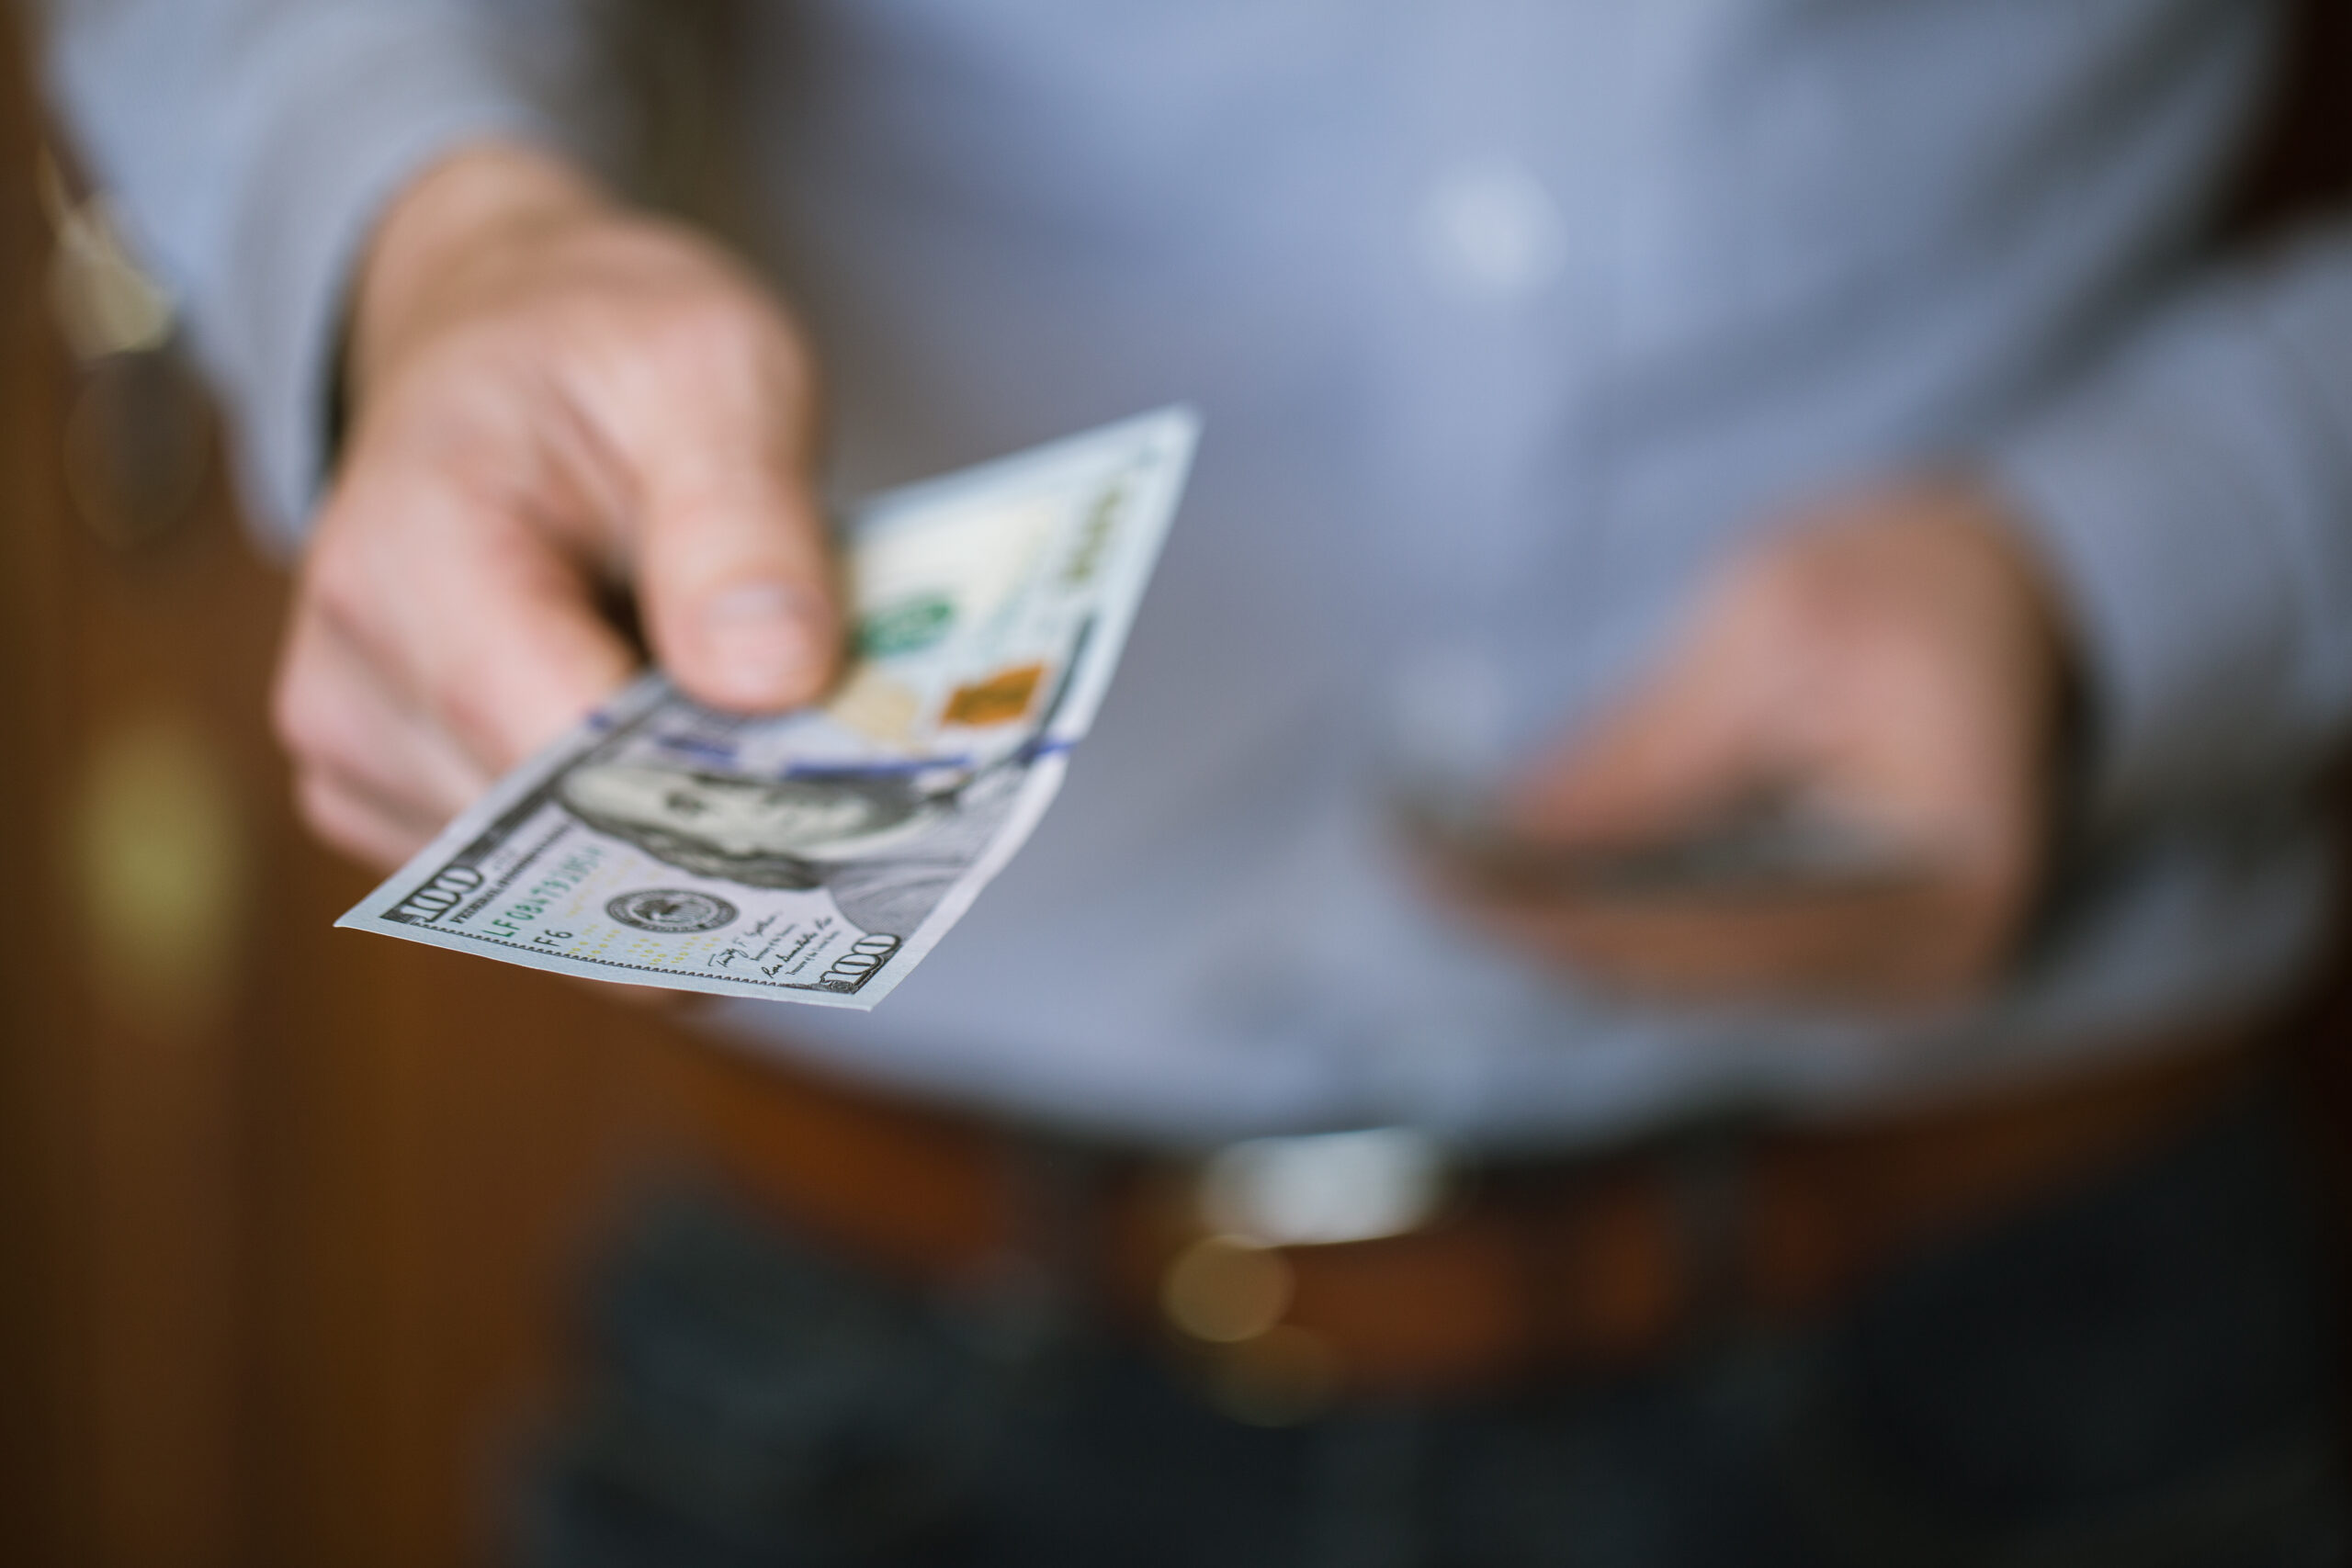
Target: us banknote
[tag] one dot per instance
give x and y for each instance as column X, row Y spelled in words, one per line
column 819, row 855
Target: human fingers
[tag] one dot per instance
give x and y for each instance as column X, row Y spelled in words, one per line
column 337, row 718
column 1693, row 743
column 359, row 817
column 360, row 825
column 481, row 623
column 732, row 558
column 555, row 401
column 1896, row 945
column 1893, row 667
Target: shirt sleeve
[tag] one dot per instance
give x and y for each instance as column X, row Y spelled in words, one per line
column 252, row 144
column 2193, row 497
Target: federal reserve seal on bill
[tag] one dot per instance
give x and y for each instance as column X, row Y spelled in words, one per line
column 819, row 855
column 671, row 909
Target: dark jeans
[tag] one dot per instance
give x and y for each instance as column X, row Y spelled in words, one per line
column 2143, row 1373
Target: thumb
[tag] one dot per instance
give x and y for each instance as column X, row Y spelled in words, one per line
column 733, row 568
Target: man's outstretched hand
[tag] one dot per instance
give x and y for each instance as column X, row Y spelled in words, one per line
column 554, row 404
column 1898, row 663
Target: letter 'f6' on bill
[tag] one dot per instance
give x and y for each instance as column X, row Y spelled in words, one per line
column 819, row 855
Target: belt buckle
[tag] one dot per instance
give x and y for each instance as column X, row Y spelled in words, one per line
column 1323, row 1188
column 1254, row 1201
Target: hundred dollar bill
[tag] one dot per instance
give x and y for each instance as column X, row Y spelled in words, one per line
column 818, row 856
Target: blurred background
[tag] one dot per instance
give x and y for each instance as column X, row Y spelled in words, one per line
column 290, row 1217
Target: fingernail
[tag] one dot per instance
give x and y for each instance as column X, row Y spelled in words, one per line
column 761, row 640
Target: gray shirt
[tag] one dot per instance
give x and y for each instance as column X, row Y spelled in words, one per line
column 1504, row 315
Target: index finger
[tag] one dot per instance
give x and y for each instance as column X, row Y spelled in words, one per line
column 487, row 627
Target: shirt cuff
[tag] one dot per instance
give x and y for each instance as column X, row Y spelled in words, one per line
column 2148, row 498
column 370, row 114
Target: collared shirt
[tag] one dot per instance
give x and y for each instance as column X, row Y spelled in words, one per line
column 1510, row 323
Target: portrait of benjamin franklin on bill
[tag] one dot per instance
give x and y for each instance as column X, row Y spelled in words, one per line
column 888, row 845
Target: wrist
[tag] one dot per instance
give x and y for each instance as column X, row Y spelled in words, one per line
column 474, row 202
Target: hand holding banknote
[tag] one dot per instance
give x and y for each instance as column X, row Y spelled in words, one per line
column 816, row 855
column 1836, row 786
column 556, row 409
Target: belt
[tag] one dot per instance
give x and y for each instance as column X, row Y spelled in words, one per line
column 1601, row 1260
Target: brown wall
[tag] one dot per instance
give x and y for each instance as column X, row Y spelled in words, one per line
column 287, row 1213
